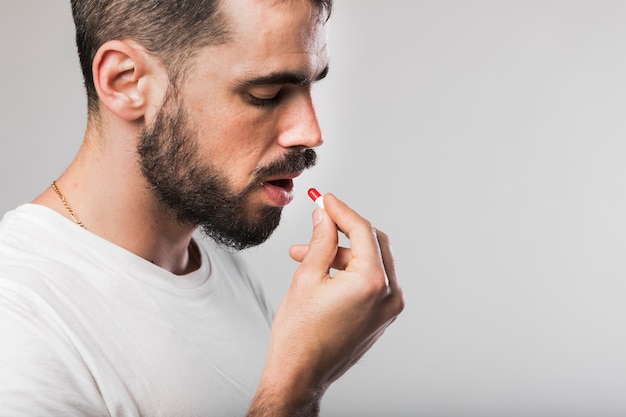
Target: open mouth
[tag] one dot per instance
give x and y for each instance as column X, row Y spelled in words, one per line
column 280, row 190
column 285, row 183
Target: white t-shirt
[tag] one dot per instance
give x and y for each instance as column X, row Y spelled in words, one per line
column 90, row 329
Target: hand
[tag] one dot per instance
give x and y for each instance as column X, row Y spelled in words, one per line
column 327, row 322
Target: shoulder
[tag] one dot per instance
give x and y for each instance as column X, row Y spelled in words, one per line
column 42, row 369
column 34, row 267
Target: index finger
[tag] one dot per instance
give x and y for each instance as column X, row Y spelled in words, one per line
column 363, row 240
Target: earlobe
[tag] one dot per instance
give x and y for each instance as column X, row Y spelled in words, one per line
column 118, row 69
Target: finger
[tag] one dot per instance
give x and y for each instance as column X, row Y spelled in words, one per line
column 388, row 259
column 396, row 301
column 342, row 257
column 297, row 252
column 322, row 247
column 363, row 242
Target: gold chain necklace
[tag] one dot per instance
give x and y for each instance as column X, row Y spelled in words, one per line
column 67, row 206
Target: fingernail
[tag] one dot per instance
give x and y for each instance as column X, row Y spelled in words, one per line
column 318, row 215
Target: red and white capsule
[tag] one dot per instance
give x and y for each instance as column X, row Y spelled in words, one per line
column 316, row 197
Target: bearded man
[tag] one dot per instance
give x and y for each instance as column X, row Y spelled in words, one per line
column 121, row 289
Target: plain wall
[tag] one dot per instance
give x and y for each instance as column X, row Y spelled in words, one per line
column 487, row 138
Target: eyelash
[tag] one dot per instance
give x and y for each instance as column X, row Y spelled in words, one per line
column 264, row 102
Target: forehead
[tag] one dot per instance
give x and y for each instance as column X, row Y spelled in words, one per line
column 271, row 34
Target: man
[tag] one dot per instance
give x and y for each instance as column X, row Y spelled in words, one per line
column 111, row 304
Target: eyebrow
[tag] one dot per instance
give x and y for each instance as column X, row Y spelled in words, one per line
column 285, row 77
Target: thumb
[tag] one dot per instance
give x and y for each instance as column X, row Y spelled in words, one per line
column 323, row 244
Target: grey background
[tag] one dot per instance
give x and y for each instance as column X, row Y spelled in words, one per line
column 486, row 137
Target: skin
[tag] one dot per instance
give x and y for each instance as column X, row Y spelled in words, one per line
column 325, row 324
column 114, row 201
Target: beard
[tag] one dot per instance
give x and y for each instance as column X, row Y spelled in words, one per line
column 196, row 193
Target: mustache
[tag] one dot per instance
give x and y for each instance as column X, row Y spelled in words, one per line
column 294, row 161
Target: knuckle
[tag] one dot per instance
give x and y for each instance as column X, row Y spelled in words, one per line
column 398, row 302
column 377, row 287
column 380, row 235
column 368, row 224
column 395, row 301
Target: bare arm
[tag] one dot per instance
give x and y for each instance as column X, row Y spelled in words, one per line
column 325, row 323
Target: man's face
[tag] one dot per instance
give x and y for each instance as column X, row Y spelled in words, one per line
column 223, row 150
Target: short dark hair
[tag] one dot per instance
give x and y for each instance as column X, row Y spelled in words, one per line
column 170, row 29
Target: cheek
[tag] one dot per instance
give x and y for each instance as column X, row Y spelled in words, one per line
column 235, row 138
column 232, row 151
column 243, row 140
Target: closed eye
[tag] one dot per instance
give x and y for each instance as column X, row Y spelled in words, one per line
column 269, row 90
column 264, row 102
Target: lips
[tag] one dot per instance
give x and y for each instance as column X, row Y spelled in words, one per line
column 279, row 190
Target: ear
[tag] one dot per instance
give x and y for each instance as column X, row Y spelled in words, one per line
column 122, row 77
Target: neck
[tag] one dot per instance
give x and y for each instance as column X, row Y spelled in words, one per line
column 105, row 189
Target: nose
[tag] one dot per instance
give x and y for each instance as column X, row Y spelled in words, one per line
column 300, row 126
